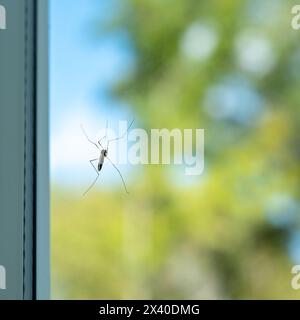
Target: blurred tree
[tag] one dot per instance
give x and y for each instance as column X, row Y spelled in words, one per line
column 232, row 68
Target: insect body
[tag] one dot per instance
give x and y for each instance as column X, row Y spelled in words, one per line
column 104, row 154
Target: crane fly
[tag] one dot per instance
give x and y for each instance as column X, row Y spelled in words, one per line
column 103, row 154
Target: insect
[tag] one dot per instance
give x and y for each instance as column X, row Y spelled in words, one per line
column 104, row 155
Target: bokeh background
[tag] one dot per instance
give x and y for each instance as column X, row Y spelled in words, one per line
column 231, row 67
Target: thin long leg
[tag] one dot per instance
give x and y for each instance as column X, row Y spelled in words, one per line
column 119, row 174
column 99, row 142
column 105, row 137
column 91, row 162
column 122, row 136
column 92, row 142
column 106, row 128
column 91, row 186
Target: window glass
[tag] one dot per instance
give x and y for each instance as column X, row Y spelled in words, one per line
column 228, row 230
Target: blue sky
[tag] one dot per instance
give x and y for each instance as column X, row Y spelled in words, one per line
column 81, row 69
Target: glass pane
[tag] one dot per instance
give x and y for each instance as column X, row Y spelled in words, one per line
column 228, row 67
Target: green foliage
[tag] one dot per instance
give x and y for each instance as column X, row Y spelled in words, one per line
column 210, row 238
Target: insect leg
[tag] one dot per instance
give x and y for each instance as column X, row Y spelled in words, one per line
column 91, row 186
column 95, row 144
column 122, row 136
column 99, row 142
column 124, row 184
column 92, row 163
column 105, row 137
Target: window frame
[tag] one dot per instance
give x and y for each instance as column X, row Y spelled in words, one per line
column 24, row 143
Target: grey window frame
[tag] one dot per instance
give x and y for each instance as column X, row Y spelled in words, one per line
column 24, row 151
